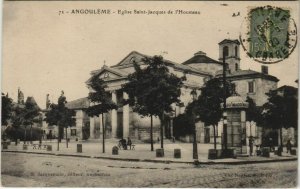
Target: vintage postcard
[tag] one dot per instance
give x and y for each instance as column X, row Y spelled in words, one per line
column 178, row 94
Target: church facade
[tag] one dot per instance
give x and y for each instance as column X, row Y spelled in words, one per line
column 123, row 123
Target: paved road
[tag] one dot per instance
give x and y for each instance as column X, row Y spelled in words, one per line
column 41, row 170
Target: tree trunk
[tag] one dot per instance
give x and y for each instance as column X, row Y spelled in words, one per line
column 58, row 137
column 281, row 143
column 215, row 140
column 67, row 137
column 162, row 130
column 25, row 136
column 42, row 136
column 151, row 133
column 30, row 133
column 195, row 146
column 103, row 135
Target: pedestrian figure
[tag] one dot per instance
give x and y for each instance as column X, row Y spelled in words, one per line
column 271, row 144
column 129, row 143
column 124, row 144
column 173, row 138
column 288, row 146
column 251, row 144
column 157, row 139
column 120, row 143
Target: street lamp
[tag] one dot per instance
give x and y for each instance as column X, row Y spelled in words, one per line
column 225, row 53
column 195, row 148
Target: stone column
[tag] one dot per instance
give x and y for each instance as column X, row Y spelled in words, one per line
column 92, row 128
column 243, row 126
column 125, row 117
column 79, row 124
column 114, row 117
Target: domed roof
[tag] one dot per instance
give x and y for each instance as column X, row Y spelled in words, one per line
column 236, row 101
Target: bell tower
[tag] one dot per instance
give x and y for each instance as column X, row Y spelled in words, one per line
column 231, row 50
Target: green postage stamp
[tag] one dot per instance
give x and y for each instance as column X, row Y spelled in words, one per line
column 271, row 34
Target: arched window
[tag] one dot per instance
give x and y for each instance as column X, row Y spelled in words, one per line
column 236, row 66
column 236, row 51
column 225, row 51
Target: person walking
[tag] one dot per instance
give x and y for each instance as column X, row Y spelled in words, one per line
column 288, row 146
column 251, row 144
column 129, row 143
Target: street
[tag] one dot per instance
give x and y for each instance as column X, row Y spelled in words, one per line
column 21, row 170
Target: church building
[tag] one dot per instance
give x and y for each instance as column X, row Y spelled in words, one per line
column 198, row 69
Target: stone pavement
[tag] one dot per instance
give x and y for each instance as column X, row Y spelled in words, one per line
column 142, row 152
column 34, row 170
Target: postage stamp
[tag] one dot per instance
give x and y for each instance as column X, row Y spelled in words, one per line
column 271, row 34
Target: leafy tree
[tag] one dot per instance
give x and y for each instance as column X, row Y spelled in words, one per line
column 281, row 111
column 6, row 109
column 62, row 117
column 152, row 90
column 30, row 115
column 207, row 106
column 102, row 102
column 253, row 113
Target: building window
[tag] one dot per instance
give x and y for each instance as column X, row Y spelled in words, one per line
column 225, row 51
column 73, row 132
column 236, row 51
column 236, row 66
column 251, row 87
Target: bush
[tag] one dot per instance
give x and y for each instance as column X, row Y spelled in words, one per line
column 14, row 133
column 183, row 125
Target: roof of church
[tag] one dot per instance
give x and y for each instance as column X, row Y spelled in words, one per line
column 81, row 103
column 247, row 73
column 230, row 41
column 200, row 57
column 113, row 70
column 170, row 63
column 121, row 73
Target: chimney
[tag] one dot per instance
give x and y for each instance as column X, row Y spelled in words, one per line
column 264, row 70
column 47, row 102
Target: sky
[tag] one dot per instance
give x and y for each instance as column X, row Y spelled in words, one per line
column 44, row 52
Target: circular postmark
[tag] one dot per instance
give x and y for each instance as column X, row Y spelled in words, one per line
column 268, row 34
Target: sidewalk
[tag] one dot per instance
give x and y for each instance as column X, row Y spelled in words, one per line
column 93, row 149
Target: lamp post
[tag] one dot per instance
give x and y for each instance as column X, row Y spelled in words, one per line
column 195, row 147
column 225, row 53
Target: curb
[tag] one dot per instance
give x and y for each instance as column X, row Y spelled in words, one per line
column 157, row 161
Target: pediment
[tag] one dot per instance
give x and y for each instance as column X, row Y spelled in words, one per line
column 131, row 58
column 107, row 75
